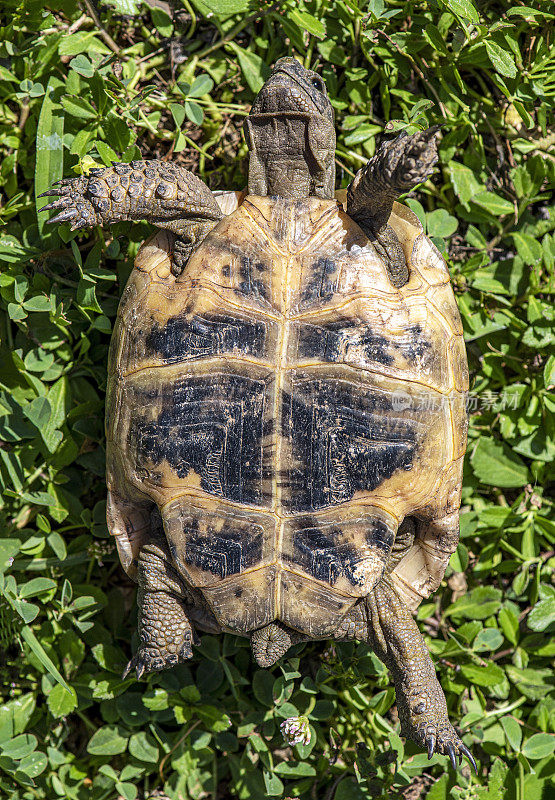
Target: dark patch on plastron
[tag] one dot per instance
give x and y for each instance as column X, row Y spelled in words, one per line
column 344, row 340
column 212, row 425
column 416, row 347
column 223, row 554
column 322, row 555
column 379, row 535
column 321, row 286
column 250, row 282
column 344, row 438
column 183, row 338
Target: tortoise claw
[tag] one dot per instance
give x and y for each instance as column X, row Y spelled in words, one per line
column 451, row 753
column 135, row 664
column 63, row 202
column 127, row 670
column 81, row 223
column 63, row 216
column 463, row 750
column 439, row 737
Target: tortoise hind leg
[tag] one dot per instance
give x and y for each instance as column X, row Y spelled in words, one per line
column 165, row 631
column 396, row 640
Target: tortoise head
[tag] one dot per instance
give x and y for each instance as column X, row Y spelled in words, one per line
column 291, row 135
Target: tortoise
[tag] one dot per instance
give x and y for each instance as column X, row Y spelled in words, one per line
column 286, row 417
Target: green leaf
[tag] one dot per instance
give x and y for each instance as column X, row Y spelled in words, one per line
column 109, row 740
column 79, row 108
column 348, row 789
column 221, row 8
column 127, row 790
column 527, row 11
column 509, row 624
column 438, row 790
column 81, row 42
column 15, row 312
column 464, row 182
column 482, row 602
column 20, row 746
column 462, row 8
column 542, row 615
column 441, row 223
column 532, row 683
column 493, row 203
column 60, row 701
column 513, row 732
column 215, row 719
column 307, row 22
column 496, row 465
column 262, row 686
column 274, row 787
column 128, row 8
column 200, row 86
column 8, row 549
column 252, row 66
column 107, row 155
column 38, row 303
column 483, row 676
column 501, row 59
column 194, row 112
column 36, row 586
column 83, row 66
column 294, row 769
column 50, row 160
column 33, row 764
column 488, row 639
column 38, row 411
column 162, row 21
column 433, row 36
column 144, row 747
column 29, row 637
column 15, row 715
column 528, row 248
column 540, row 745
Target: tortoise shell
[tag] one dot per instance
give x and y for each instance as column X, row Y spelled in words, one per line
column 284, row 407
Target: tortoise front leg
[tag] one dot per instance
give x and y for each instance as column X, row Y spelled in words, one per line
column 395, row 638
column 165, row 632
column 397, row 167
column 161, row 193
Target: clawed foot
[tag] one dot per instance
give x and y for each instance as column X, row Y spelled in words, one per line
column 77, row 200
column 409, row 160
column 151, row 659
column 442, row 738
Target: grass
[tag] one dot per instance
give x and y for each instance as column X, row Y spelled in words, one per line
column 81, row 87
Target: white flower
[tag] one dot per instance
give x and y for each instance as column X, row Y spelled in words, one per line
column 295, row 730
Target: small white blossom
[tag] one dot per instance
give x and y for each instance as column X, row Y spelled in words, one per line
column 295, row 730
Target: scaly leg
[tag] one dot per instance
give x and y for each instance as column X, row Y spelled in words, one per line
column 165, row 633
column 395, row 638
column 161, row 193
column 397, row 167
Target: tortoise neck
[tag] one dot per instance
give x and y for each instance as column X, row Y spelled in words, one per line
column 291, row 156
column 275, row 179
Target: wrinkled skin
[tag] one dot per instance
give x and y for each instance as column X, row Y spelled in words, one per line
column 292, row 143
